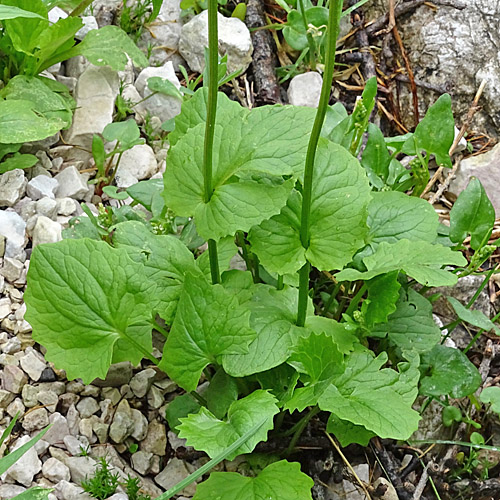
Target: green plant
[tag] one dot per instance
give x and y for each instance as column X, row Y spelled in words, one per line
column 104, row 483
column 32, row 107
column 267, row 339
column 132, row 488
column 125, row 135
column 11, row 458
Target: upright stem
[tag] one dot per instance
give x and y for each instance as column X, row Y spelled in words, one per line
column 310, row 39
column 213, row 84
column 80, row 8
column 335, row 11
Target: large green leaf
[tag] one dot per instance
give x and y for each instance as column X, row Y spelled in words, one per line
column 54, row 42
column 209, row 323
column 411, row 326
column 340, row 194
column 11, row 12
column 279, row 481
column 419, row 259
column 253, row 149
column 166, row 260
column 109, row 46
column 24, row 33
column 89, row 305
column 20, row 121
column 206, row 432
column 449, row 372
column 472, row 214
column 394, row 216
column 280, row 382
column 18, row 161
column 374, row 397
column 221, row 393
column 435, row 133
column 318, row 359
column 273, row 318
column 55, row 107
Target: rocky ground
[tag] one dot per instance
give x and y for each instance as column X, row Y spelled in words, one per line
column 123, row 417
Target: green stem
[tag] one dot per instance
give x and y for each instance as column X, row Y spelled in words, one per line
column 80, row 8
column 213, row 84
column 335, row 10
column 355, row 300
column 330, row 300
column 310, row 39
column 279, row 285
column 159, row 328
column 301, row 425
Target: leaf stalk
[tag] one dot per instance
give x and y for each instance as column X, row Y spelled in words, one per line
column 213, row 85
column 334, row 13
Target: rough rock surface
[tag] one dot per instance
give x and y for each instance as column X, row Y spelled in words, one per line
column 95, row 96
column 454, row 49
column 234, row 40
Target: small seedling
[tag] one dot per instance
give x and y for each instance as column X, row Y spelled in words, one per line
column 104, row 482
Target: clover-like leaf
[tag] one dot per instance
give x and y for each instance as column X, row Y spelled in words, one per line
column 448, row 372
column 209, row 323
column 340, row 194
column 371, row 396
column 472, row 214
column 279, row 481
column 394, row 216
column 411, row 326
column 419, row 259
column 491, row 395
column 166, row 261
column 206, row 432
column 253, row 150
column 89, row 305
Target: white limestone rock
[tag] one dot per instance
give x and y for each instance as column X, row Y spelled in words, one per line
column 13, row 229
column 305, row 89
column 234, row 40
column 136, row 164
column 72, row 184
column 24, row 470
column 95, row 96
column 162, row 106
column 42, row 186
column 46, row 231
column 12, row 187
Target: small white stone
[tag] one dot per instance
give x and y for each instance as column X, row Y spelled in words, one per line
column 87, row 407
column 24, row 470
column 12, row 187
column 32, row 365
column 47, row 207
column 12, row 269
column 174, row 472
column 159, row 105
column 71, row 184
column 136, row 164
column 46, row 231
column 305, row 89
column 234, row 40
column 66, row 206
column 89, row 24
column 13, row 228
column 56, row 471
column 42, row 186
column 36, row 420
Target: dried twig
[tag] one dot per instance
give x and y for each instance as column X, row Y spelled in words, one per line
column 421, row 484
column 349, row 466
